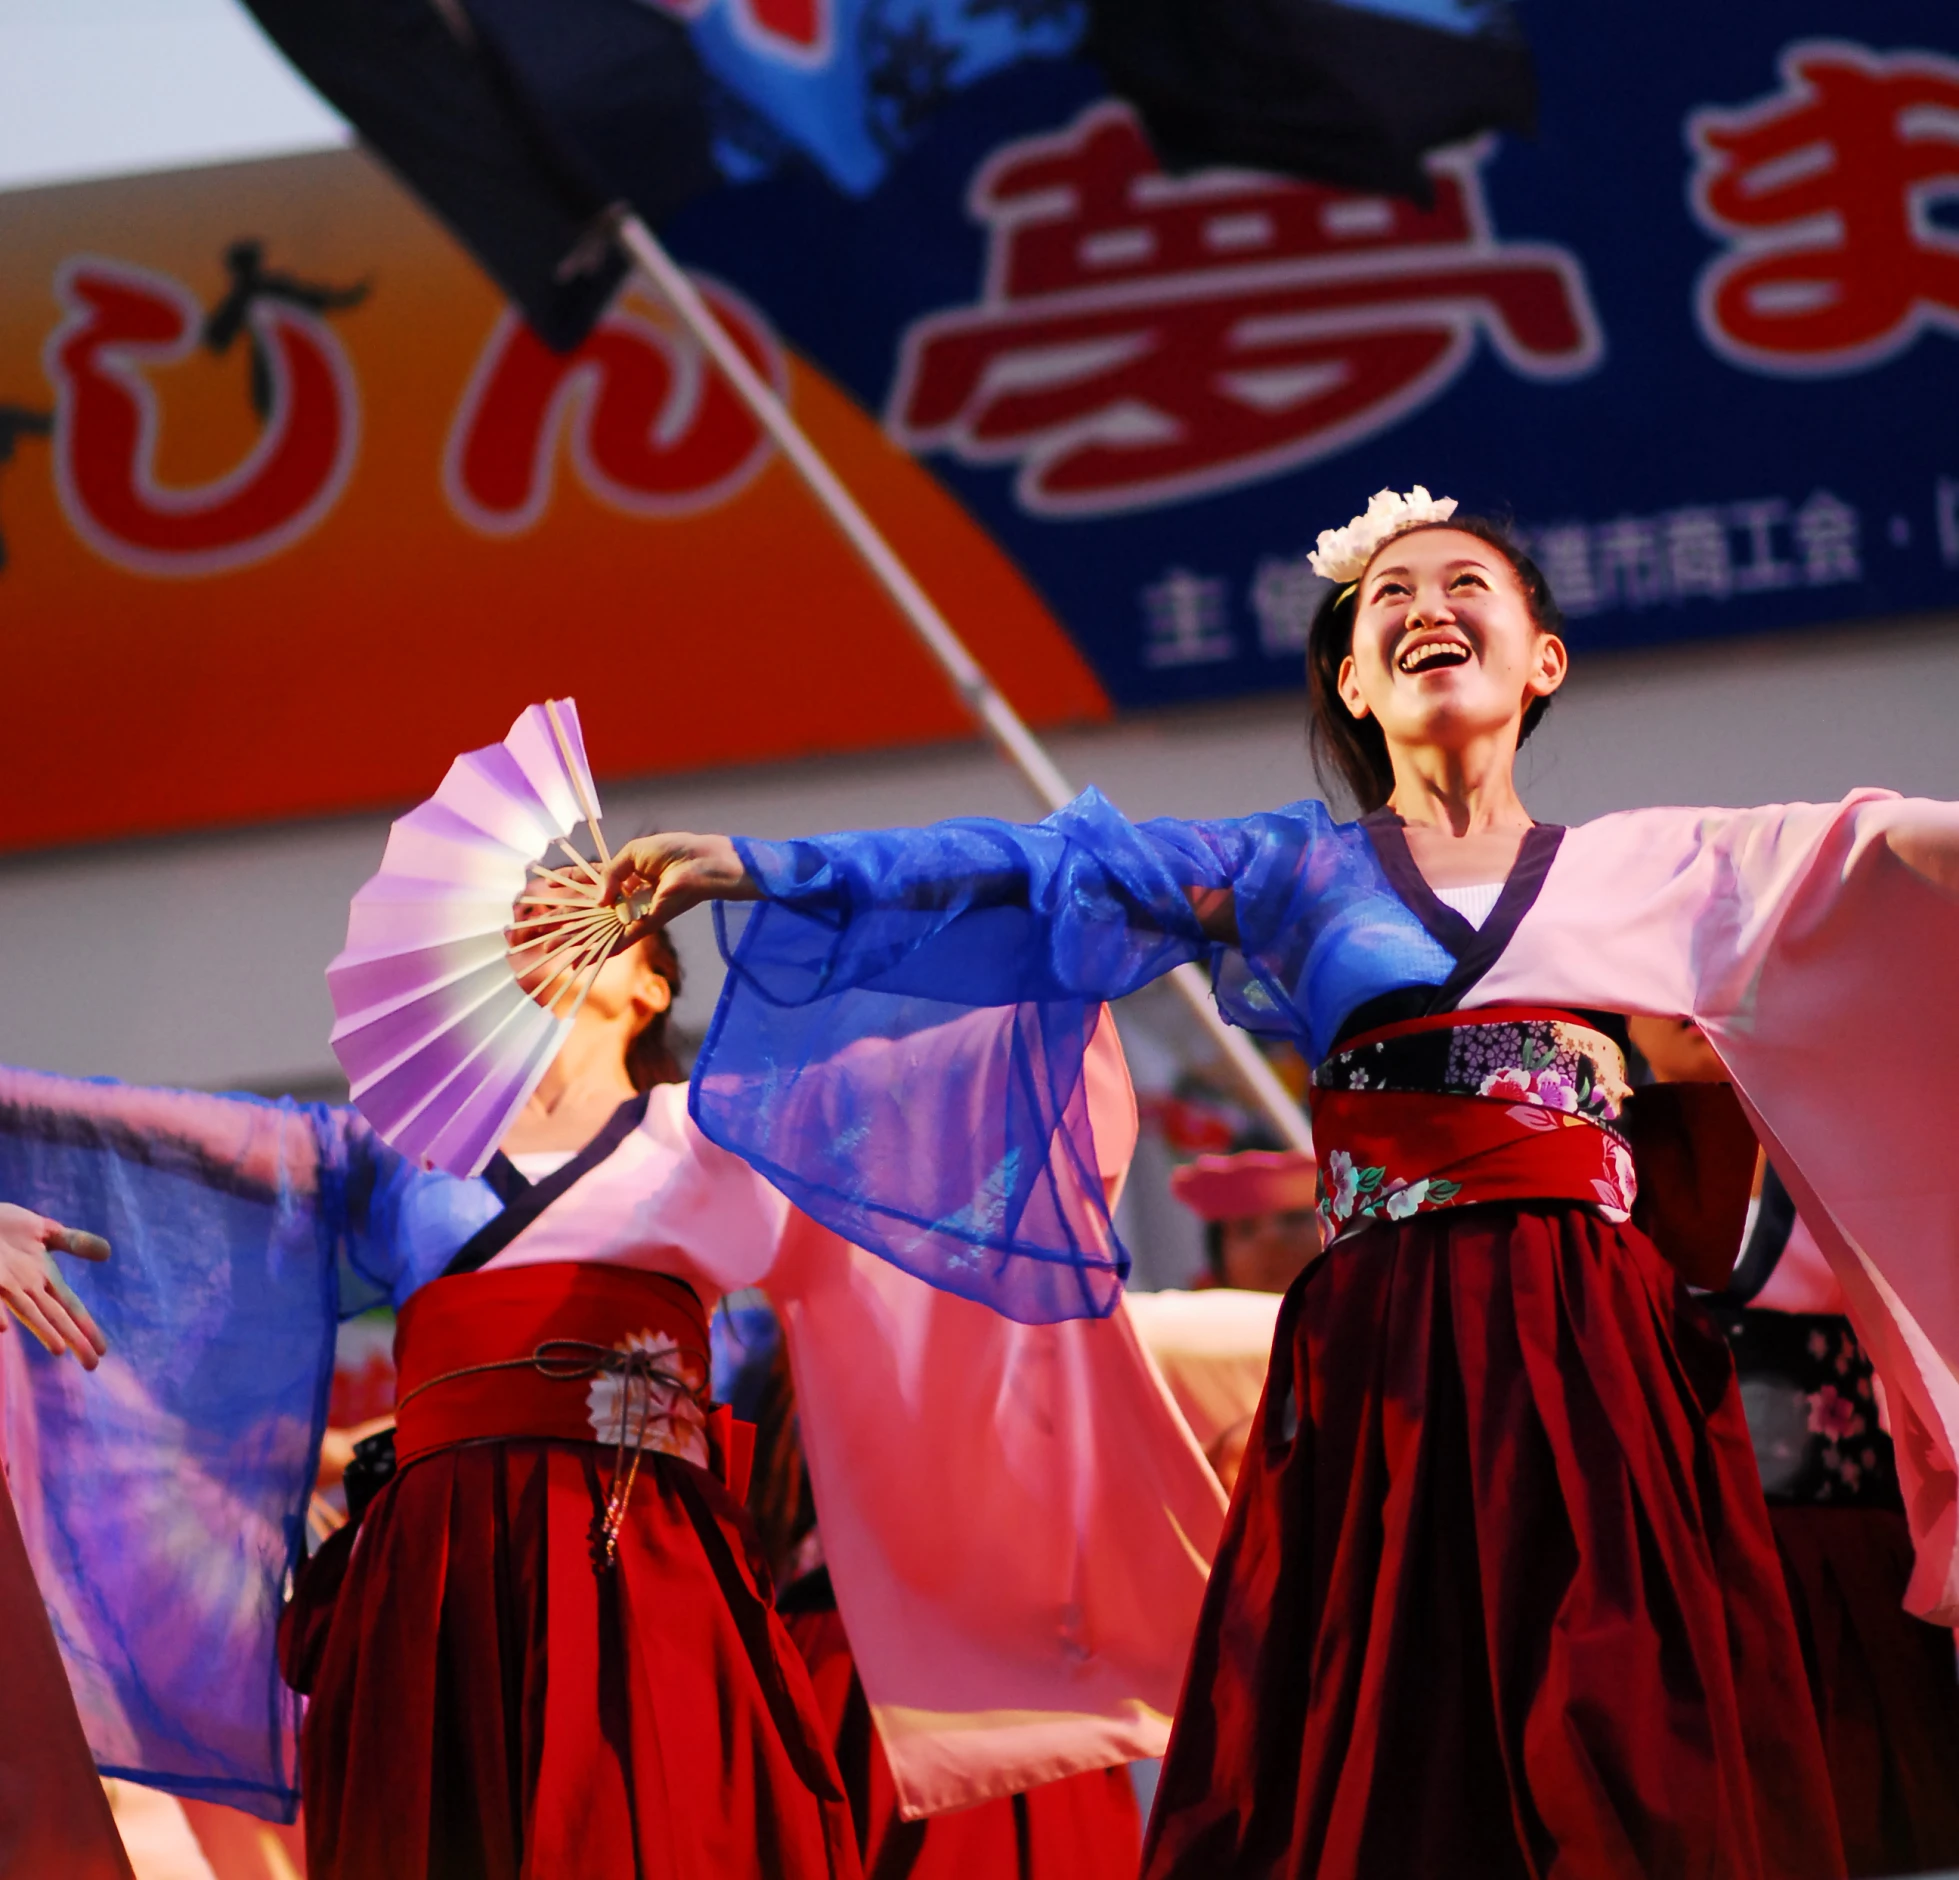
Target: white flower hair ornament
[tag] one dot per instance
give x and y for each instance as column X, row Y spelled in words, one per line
column 1343, row 554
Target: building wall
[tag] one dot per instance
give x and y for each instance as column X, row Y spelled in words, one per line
column 198, row 960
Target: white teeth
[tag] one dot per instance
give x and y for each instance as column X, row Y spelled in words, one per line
column 1430, row 651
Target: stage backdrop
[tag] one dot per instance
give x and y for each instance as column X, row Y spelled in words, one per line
column 293, row 509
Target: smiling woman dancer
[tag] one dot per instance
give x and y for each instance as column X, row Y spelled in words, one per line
column 1497, row 1593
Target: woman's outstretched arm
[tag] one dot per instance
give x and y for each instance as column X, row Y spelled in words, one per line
column 1084, row 904
column 678, row 870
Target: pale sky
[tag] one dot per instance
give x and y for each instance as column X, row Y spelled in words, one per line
column 103, row 87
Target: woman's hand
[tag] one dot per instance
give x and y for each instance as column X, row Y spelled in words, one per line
column 665, row 875
column 33, row 1290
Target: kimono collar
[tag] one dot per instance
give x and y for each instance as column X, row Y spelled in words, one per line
column 524, row 1200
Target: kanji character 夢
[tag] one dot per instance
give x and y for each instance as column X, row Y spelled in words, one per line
column 1143, row 339
column 1184, row 621
column 1825, row 189
column 1286, row 594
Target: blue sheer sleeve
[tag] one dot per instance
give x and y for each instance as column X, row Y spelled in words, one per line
column 164, row 1497
column 900, row 1042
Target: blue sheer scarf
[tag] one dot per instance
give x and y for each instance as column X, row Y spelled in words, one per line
column 899, row 1045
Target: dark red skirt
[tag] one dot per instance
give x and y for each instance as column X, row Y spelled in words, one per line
column 1497, row 1593
column 1886, row 1692
column 1084, row 1827
column 488, row 1706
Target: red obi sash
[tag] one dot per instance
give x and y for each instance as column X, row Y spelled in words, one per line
column 1507, row 1104
column 565, row 1351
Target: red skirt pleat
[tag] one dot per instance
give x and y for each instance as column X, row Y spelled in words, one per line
column 1884, row 1683
column 487, row 1706
column 1497, row 1594
column 54, row 1817
column 1083, row 1827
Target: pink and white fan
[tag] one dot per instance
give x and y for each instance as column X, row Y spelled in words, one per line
column 469, row 953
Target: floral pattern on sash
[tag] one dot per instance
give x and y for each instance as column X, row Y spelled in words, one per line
column 1550, row 1063
column 1540, row 1075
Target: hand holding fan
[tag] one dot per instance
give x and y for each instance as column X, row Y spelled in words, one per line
column 469, row 954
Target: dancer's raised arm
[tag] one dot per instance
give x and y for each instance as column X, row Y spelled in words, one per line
column 676, row 871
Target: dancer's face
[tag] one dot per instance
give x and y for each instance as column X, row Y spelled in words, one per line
column 1445, row 652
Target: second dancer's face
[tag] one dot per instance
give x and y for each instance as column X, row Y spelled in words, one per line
column 1445, row 652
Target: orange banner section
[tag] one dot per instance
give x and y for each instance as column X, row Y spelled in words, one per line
column 293, row 511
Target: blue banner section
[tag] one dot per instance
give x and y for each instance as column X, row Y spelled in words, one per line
column 1699, row 338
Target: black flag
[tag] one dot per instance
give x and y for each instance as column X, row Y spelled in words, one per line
column 1336, row 91
column 434, row 102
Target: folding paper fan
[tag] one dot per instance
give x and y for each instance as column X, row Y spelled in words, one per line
column 470, row 952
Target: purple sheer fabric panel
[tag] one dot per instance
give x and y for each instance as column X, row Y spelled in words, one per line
column 165, row 1495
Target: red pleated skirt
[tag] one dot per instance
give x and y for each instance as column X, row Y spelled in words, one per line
column 1886, row 1692
column 486, row 1705
column 1083, row 1827
column 1497, row 1594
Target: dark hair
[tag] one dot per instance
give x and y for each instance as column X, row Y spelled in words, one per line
column 649, row 1058
column 1354, row 751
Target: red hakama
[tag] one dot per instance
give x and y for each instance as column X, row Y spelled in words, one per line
column 1886, row 1697
column 486, row 1702
column 1505, row 1601
column 1083, row 1827
column 1497, row 1593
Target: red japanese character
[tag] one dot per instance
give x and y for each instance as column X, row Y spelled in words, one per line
column 653, row 430
column 1825, row 189
column 1143, row 339
column 119, row 324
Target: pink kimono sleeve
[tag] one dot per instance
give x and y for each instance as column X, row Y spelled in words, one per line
column 1815, row 945
column 1018, row 1523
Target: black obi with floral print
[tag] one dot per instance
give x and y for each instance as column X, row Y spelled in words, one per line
column 1807, row 1388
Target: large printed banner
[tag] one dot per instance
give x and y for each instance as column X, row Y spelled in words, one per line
column 293, row 509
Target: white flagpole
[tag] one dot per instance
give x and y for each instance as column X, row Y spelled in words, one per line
column 981, row 696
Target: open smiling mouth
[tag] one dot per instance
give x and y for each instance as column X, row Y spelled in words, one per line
column 1429, row 655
